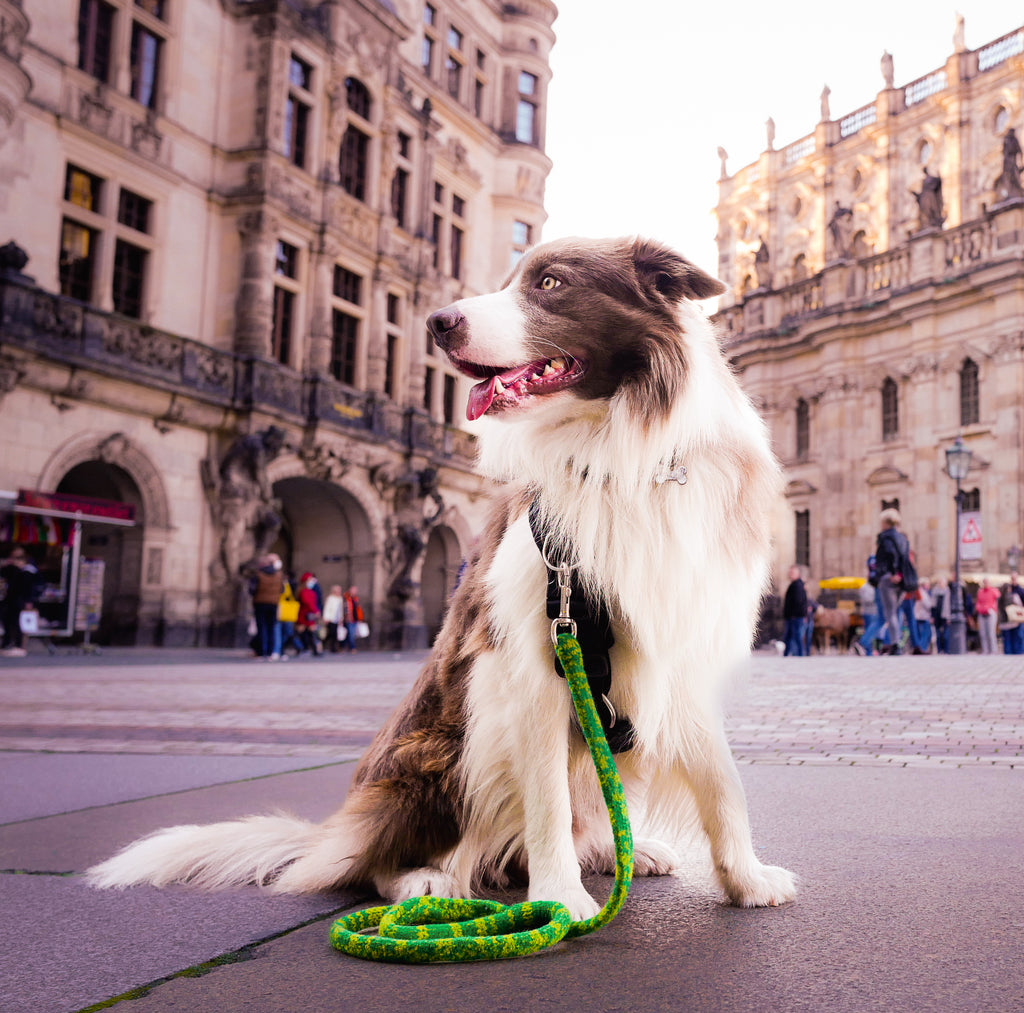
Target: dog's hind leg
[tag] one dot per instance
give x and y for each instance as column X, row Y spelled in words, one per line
column 711, row 773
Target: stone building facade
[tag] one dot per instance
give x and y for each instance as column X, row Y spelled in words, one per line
column 227, row 222
column 875, row 311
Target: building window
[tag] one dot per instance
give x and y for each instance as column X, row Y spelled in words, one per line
column 77, row 260
column 344, row 346
column 95, row 36
column 358, row 98
column 297, row 110
column 346, row 325
column 890, row 409
column 353, row 160
column 526, row 110
column 145, row 55
column 970, row 411
column 352, row 163
column 129, row 272
column 286, row 275
column 394, row 322
column 400, row 196
column 427, row 55
column 448, row 400
column 803, row 430
column 104, row 50
column 436, row 222
column 348, row 285
column 458, row 237
column 88, row 218
column 802, row 534
column 428, row 389
column 971, row 500
column 133, row 210
column 429, row 15
column 479, row 84
column 522, row 239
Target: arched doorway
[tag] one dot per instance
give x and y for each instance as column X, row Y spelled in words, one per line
column 119, row 548
column 441, row 562
column 325, row 530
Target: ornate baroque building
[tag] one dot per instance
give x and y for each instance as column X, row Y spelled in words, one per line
column 876, row 312
column 226, row 222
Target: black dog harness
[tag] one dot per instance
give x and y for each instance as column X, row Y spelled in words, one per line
column 569, row 605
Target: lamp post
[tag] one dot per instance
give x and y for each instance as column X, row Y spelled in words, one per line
column 958, row 464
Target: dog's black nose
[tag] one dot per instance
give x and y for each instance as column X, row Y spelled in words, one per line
column 448, row 328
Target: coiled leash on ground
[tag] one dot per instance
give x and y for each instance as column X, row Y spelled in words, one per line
column 442, row 929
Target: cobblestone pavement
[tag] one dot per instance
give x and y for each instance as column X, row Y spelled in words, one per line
column 911, row 711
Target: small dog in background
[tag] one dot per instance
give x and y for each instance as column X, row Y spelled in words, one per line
column 606, row 406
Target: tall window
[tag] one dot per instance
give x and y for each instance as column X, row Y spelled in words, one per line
column 297, row 110
column 133, row 212
column 971, row 500
column 355, row 144
column 448, row 400
column 970, row 410
column 400, row 181
column 479, row 84
column 802, row 519
column 286, row 276
column 429, row 44
column 458, row 235
column 102, row 221
column 890, row 409
column 394, row 334
column 453, row 64
column 346, row 324
column 145, row 58
column 803, row 430
column 104, row 50
column 526, row 110
column 95, row 38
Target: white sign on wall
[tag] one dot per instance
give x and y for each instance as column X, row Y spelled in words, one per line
column 970, row 535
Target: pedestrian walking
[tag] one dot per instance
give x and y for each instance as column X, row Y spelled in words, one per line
column 891, row 550
column 265, row 586
column 1011, row 619
column 353, row 617
column 794, row 612
column 986, row 608
column 20, row 576
column 334, row 614
column 941, row 612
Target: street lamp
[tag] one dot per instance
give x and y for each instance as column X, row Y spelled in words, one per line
column 958, row 463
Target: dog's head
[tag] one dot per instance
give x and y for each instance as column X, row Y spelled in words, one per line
column 581, row 318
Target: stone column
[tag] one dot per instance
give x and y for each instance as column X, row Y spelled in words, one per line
column 254, row 305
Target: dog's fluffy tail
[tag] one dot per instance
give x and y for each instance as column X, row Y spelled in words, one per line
column 255, row 850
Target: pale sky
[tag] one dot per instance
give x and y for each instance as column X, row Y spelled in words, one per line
column 644, row 93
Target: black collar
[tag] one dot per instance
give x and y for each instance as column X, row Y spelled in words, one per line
column 593, row 631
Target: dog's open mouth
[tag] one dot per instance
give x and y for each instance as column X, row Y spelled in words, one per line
column 501, row 388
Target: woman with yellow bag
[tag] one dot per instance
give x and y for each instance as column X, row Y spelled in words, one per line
column 287, row 614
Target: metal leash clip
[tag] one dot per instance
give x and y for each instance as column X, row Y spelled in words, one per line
column 564, row 591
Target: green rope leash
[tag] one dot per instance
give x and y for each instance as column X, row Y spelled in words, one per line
column 442, row 929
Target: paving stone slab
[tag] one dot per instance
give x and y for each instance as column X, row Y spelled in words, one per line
column 43, row 784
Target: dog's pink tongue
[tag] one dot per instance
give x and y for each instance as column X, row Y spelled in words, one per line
column 480, row 397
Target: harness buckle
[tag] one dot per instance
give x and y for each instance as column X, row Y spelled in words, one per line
column 562, row 574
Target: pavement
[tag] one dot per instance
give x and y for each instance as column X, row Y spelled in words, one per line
column 893, row 787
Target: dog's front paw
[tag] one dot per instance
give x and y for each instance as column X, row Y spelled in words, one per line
column 758, row 886
column 580, row 904
column 653, row 858
column 425, row 882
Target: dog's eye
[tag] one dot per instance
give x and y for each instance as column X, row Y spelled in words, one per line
column 547, row 283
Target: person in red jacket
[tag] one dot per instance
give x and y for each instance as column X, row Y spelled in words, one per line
column 310, row 610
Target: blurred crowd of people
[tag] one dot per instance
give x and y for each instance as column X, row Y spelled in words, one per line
column 294, row 619
column 906, row 614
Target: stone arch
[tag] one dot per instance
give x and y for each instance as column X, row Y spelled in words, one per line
column 439, row 573
column 116, row 449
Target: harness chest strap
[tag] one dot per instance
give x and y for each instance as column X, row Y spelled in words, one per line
column 567, row 602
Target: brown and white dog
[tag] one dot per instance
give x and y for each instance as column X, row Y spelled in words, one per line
column 598, row 383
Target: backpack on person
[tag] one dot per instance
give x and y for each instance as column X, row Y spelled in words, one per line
column 908, row 573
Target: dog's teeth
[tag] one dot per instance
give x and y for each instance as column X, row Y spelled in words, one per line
column 549, row 369
column 499, row 387
column 556, row 365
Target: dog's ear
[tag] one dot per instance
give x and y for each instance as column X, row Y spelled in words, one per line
column 672, row 275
